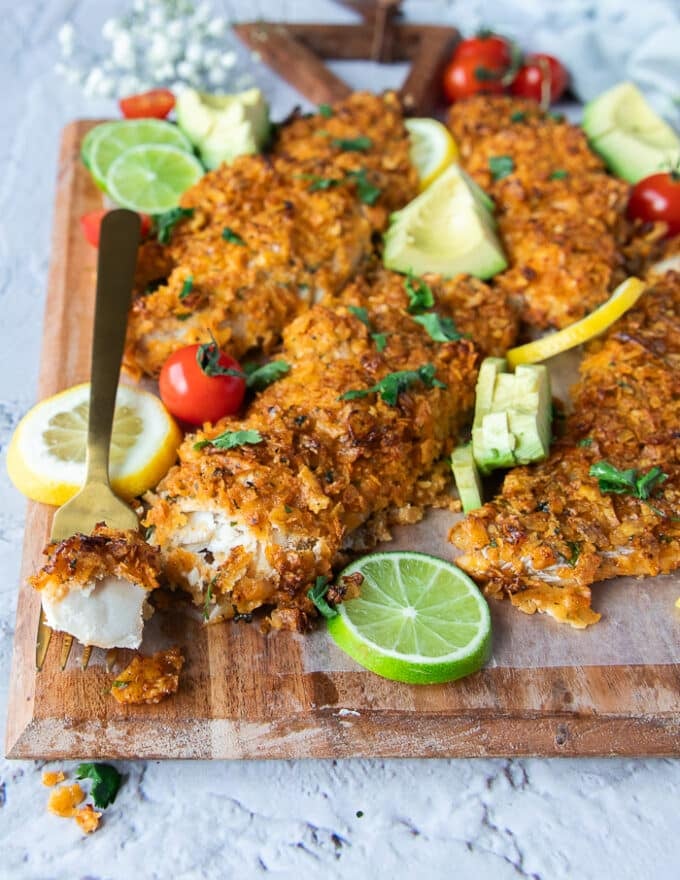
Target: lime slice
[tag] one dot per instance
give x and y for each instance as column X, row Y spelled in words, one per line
column 624, row 297
column 91, row 137
column 418, row 619
column 110, row 139
column 151, row 179
column 46, row 457
column 432, row 148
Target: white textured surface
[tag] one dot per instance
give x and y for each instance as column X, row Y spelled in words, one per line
column 465, row 819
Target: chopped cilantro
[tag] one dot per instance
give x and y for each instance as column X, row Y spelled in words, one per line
column 231, row 439
column 575, row 548
column 187, row 287
column 208, row 600
column 501, row 166
column 165, row 223
column 612, row 480
column 380, row 340
column 231, row 236
column 419, row 294
column 392, row 385
column 317, row 594
column 439, row 329
column 367, row 192
column 105, row 782
column 353, row 145
column 326, row 111
column 360, row 313
column 120, row 684
column 585, row 442
column 260, row 377
column 208, row 359
column 184, row 316
column 558, row 174
column 518, row 116
column 321, row 183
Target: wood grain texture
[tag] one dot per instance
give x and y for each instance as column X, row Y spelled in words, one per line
column 247, row 695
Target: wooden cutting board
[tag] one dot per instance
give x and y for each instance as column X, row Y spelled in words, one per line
column 247, row 695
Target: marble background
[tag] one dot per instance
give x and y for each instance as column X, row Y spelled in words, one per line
column 541, row 819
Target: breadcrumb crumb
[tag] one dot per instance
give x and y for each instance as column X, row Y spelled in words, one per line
column 88, row 818
column 64, row 801
column 149, row 679
column 52, row 777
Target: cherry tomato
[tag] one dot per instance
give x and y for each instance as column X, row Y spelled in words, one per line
column 468, row 77
column 487, row 48
column 537, row 69
column 657, row 197
column 156, row 104
column 91, row 225
column 195, row 386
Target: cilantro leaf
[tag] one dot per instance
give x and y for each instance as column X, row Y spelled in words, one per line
column 318, row 596
column 325, row 110
column 187, row 287
column 105, row 782
column 380, row 340
column 575, row 548
column 260, row 377
column 501, row 166
column 360, row 313
column 208, row 359
column 419, row 293
column 165, row 223
column 558, row 174
column 440, row 329
column 231, row 236
column 353, row 145
column 208, row 599
column 320, row 183
column 585, row 442
column 231, row 439
column 393, row 384
column 367, row 192
column 611, row 480
column 518, row 116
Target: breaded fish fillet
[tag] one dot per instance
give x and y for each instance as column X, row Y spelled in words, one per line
column 256, row 524
column 271, row 234
column 96, row 586
column 560, row 215
column 552, row 531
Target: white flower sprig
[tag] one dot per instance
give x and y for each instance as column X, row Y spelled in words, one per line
column 171, row 43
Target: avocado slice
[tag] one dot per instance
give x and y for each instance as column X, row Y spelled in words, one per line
column 467, row 479
column 513, row 413
column 222, row 127
column 630, row 136
column 447, row 229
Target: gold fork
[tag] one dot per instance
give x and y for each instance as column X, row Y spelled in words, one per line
column 95, row 502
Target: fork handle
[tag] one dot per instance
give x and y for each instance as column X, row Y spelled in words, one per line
column 118, row 243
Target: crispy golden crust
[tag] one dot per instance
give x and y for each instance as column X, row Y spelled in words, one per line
column 329, row 473
column 81, row 559
column 149, row 679
column 552, row 532
column 304, row 231
column 88, row 818
column 560, row 214
column 63, row 801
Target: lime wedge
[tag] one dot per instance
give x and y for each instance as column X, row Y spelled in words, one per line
column 110, row 139
column 418, row 619
column 151, row 179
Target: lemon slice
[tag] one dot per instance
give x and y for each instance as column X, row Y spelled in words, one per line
column 418, row 619
column 46, row 456
column 625, row 296
column 432, row 148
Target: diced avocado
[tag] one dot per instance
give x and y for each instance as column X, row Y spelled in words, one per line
column 467, row 479
column 630, row 136
column 447, row 229
column 223, row 126
column 513, row 413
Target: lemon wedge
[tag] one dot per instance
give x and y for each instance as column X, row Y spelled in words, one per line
column 625, row 296
column 432, row 148
column 46, row 456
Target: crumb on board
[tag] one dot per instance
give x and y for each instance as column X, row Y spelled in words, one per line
column 88, row 818
column 149, row 679
column 64, row 801
column 51, row 778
